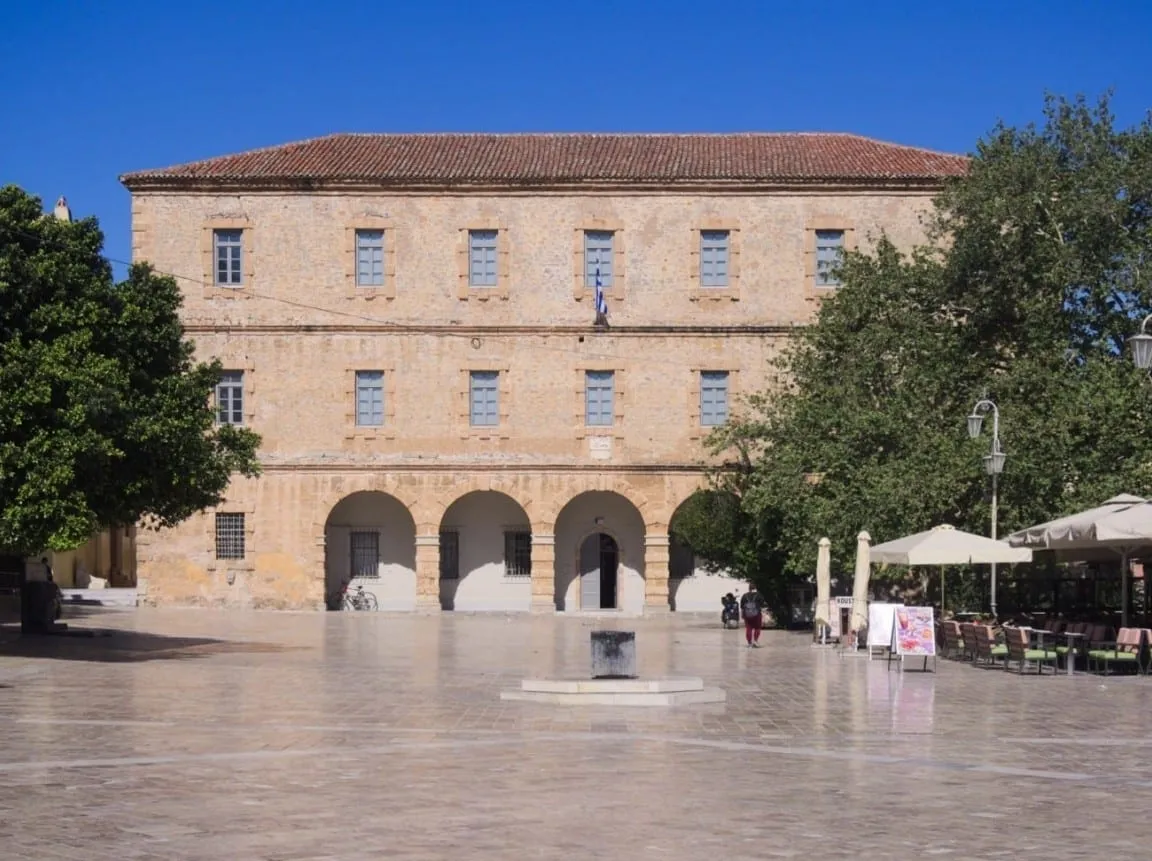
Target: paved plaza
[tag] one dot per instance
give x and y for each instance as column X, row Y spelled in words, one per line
column 211, row 735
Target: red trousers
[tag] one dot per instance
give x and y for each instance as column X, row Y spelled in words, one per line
column 752, row 628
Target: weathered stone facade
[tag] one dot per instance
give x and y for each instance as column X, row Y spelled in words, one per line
column 298, row 328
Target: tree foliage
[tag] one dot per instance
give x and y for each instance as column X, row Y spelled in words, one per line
column 105, row 417
column 1038, row 269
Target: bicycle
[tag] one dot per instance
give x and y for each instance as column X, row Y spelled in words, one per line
column 359, row 599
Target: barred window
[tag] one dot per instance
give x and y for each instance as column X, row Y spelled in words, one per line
column 364, row 555
column 229, row 536
column 449, row 555
column 517, row 554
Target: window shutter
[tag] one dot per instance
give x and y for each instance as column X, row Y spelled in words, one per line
column 599, row 398
column 598, row 246
column 484, row 407
column 714, row 248
column 713, row 398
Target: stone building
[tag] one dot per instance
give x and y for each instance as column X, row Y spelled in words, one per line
column 408, row 321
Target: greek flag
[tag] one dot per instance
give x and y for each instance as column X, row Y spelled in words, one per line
column 601, row 302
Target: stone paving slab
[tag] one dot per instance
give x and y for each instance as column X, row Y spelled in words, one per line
column 299, row 737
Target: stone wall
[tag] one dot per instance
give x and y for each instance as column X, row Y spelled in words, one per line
column 299, row 329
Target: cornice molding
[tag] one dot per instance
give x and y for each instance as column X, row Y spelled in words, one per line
column 456, row 467
column 713, row 187
column 202, row 328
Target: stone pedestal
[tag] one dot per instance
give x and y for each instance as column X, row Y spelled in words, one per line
column 615, row 692
column 613, row 654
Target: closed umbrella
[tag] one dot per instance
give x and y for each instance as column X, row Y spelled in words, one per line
column 824, row 580
column 860, row 582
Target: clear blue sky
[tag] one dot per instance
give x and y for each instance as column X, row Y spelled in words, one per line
column 95, row 89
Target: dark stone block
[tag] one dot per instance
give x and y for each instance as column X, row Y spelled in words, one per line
column 39, row 607
column 613, row 654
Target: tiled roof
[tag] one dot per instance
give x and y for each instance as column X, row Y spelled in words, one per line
column 527, row 159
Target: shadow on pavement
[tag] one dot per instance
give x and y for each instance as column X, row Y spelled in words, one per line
column 113, row 645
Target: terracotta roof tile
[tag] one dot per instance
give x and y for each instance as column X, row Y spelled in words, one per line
column 447, row 159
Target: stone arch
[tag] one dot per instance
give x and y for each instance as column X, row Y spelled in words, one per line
column 549, row 511
column 369, row 538
column 691, row 587
column 485, row 553
column 445, row 494
column 593, row 511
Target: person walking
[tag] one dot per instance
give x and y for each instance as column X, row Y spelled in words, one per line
column 752, row 609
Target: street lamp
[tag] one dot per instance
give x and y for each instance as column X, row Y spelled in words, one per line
column 1142, row 346
column 993, row 461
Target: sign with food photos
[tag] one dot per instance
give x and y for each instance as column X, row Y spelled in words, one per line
column 914, row 632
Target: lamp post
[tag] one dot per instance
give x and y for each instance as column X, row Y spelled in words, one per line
column 994, row 461
column 1142, row 358
column 1142, row 346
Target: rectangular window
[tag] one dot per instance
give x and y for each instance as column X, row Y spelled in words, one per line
column 482, row 258
column 517, row 554
column 449, row 555
column 598, row 245
column 364, row 554
column 713, row 398
column 230, row 398
column 829, row 251
column 229, row 536
column 599, row 398
column 713, row 258
column 228, row 245
column 484, row 398
column 369, row 399
column 369, row 258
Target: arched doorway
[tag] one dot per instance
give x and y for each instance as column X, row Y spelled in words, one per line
column 599, row 566
column 587, row 516
column 370, row 541
column 485, row 554
column 692, row 587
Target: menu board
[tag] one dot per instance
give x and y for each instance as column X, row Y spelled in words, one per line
column 915, row 632
column 881, row 624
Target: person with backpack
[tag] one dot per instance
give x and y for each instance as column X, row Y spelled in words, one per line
column 752, row 609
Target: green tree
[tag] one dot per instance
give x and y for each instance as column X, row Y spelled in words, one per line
column 1038, row 271
column 727, row 540
column 105, row 417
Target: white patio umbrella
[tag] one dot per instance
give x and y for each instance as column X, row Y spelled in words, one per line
column 1121, row 526
column 946, row 545
column 860, row 577
column 824, row 580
